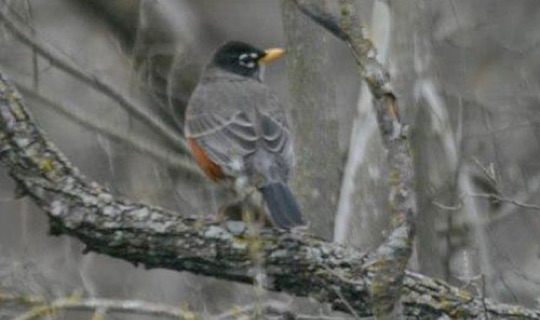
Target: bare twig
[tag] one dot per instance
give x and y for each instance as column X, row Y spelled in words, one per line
column 447, row 207
column 488, row 196
column 35, row 61
column 347, row 304
column 498, row 194
column 502, row 198
column 489, row 173
column 93, row 80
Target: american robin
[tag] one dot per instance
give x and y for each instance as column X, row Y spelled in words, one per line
column 238, row 130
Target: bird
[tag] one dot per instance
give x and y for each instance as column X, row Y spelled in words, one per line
column 239, row 133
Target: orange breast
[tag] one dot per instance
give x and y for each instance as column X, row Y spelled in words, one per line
column 212, row 169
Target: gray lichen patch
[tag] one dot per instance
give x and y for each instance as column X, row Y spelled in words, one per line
column 143, row 214
column 215, row 232
column 239, row 244
column 279, row 254
column 105, row 198
column 236, row 227
column 109, row 211
column 57, row 208
column 89, row 200
column 314, row 253
column 164, row 226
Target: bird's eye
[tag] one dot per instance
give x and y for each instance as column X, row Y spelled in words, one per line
column 248, row 60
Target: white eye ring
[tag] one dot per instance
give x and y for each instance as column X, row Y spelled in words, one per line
column 247, row 60
column 250, row 64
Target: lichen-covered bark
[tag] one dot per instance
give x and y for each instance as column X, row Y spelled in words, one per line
column 300, row 265
column 392, row 256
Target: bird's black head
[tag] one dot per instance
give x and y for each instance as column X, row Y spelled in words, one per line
column 242, row 58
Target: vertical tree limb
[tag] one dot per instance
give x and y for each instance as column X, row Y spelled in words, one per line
column 393, row 255
column 363, row 213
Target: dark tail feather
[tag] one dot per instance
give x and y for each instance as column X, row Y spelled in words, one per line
column 284, row 210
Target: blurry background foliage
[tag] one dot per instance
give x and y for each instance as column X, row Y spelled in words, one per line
column 467, row 74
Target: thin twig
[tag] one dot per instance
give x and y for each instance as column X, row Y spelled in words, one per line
column 489, row 196
column 489, row 173
column 447, row 207
column 35, row 61
column 93, row 80
column 497, row 195
column 347, row 304
column 502, row 198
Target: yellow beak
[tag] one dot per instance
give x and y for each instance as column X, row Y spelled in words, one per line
column 272, row 54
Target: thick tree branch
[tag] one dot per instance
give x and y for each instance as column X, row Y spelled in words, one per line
column 297, row 264
column 393, row 255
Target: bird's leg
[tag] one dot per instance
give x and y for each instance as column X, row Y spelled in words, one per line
column 249, row 213
column 247, row 205
column 256, row 207
column 235, row 209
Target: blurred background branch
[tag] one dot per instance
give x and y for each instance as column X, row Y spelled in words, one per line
column 92, row 80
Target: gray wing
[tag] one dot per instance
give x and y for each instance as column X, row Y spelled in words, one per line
column 276, row 135
column 223, row 139
column 233, row 119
